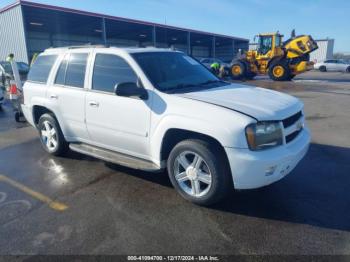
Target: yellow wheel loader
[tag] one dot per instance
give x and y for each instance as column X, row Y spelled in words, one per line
column 280, row 60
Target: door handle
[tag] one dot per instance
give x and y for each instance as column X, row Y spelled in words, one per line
column 53, row 96
column 94, row 104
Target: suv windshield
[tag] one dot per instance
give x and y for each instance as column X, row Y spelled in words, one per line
column 174, row 72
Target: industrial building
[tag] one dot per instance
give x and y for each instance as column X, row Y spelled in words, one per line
column 27, row 28
column 324, row 51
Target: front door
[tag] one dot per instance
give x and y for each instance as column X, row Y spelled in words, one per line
column 114, row 122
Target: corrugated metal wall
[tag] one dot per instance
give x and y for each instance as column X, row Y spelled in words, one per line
column 12, row 36
column 324, row 51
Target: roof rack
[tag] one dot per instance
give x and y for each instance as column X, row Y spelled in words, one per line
column 80, row 46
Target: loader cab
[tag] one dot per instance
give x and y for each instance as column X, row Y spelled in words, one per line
column 269, row 42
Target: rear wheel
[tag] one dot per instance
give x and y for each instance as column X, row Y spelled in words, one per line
column 279, row 71
column 238, row 70
column 51, row 136
column 199, row 172
column 323, row 69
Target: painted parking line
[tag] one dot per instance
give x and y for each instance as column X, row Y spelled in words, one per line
column 51, row 203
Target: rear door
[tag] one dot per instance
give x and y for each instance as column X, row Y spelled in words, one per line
column 117, row 123
column 67, row 95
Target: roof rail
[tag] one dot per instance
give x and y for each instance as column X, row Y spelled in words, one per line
column 79, row 46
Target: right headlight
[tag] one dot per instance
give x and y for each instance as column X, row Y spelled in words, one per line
column 264, row 135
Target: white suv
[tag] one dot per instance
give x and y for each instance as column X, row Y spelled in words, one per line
column 152, row 109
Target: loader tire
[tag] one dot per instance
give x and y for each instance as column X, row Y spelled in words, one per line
column 279, row 71
column 238, row 70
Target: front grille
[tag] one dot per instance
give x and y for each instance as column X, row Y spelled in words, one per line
column 292, row 136
column 291, row 120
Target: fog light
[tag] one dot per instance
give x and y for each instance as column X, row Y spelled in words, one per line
column 270, row 170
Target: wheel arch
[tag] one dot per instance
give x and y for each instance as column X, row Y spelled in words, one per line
column 38, row 111
column 175, row 135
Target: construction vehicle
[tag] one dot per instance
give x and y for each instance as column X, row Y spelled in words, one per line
column 282, row 61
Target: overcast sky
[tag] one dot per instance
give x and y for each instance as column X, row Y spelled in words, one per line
column 243, row 18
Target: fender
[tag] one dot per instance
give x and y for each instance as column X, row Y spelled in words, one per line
column 226, row 136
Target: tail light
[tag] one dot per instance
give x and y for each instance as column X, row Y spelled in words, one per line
column 13, row 89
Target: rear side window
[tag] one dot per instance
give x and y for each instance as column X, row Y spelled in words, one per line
column 75, row 74
column 61, row 73
column 110, row 70
column 72, row 70
column 41, row 68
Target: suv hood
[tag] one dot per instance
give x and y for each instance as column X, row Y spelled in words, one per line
column 259, row 103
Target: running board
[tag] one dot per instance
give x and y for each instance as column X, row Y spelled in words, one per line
column 114, row 157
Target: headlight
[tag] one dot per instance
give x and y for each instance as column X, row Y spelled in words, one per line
column 263, row 135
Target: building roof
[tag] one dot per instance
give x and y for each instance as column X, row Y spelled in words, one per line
column 75, row 11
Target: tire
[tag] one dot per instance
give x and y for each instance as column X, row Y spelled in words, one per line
column 238, row 70
column 48, row 122
column 215, row 180
column 279, row 71
column 322, row 69
column 348, row 69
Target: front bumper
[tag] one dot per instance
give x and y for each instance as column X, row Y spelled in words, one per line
column 253, row 169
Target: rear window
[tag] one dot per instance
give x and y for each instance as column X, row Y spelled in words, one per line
column 41, row 68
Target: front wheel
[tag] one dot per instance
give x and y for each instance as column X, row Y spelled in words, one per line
column 238, row 70
column 348, row 69
column 199, row 172
column 51, row 136
column 279, row 71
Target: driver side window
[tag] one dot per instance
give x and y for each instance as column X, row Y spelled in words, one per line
column 110, row 70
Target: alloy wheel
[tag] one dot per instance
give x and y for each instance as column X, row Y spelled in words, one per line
column 192, row 174
column 49, row 136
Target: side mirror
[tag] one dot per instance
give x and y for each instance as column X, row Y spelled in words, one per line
column 131, row 89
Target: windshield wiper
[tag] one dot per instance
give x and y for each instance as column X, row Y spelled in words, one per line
column 199, row 85
column 179, row 87
column 211, row 82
